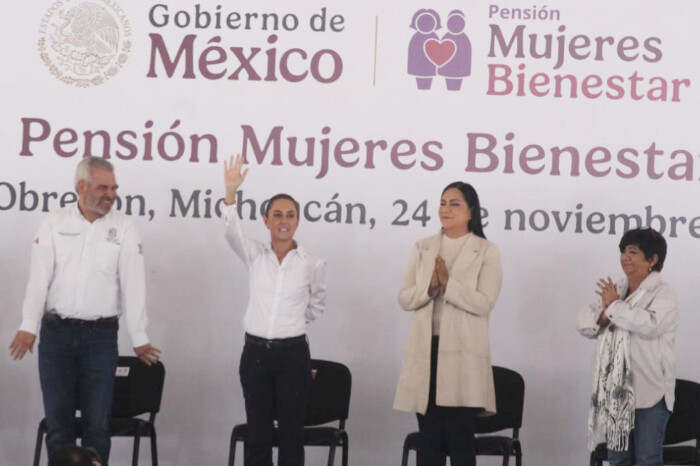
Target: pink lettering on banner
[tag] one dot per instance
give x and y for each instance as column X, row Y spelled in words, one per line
column 503, row 80
column 170, row 145
column 557, row 48
column 486, row 154
column 273, row 147
column 323, row 152
column 219, row 61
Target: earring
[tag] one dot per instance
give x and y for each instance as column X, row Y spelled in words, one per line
column 650, row 269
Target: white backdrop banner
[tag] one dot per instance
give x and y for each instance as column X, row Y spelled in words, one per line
column 574, row 121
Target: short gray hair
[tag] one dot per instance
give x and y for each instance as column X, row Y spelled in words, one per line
column 83, row 171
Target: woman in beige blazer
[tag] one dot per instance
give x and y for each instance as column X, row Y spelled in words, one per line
column 451, row 285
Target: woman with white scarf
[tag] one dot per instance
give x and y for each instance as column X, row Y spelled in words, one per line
column 634, row 375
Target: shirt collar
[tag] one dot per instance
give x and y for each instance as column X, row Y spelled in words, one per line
column 298, row 249
column 651, row 281
column 79, row 214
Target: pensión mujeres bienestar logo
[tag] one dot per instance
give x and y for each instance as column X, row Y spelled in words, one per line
column 433, row 56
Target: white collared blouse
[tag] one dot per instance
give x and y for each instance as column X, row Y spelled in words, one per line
column 283, row 297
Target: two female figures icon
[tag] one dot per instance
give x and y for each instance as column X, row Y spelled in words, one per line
column 429, row 55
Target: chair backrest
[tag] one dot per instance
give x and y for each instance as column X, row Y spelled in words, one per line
column 329, row 399
column 510, row 398
column 138, row 388
column 684, row 423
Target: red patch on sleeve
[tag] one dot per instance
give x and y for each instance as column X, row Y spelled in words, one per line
column 36, row 241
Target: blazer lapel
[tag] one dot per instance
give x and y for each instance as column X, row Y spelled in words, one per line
column 431, row 246
column 469, row 252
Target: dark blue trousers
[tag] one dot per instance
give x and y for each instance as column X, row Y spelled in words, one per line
column 276, row 382
column 76, row 370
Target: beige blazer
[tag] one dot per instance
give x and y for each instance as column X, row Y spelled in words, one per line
column 464, row 373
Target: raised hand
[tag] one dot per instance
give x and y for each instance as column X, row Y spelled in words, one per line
column 233, row 177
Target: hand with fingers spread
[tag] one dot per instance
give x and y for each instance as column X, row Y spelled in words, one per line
column 23, row 342
column 234, row 175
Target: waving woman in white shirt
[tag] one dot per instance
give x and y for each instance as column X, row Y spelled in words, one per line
column 634, row 376
column 286, row 290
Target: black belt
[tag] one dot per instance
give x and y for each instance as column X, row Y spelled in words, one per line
column 102, row 322
column 275, row 343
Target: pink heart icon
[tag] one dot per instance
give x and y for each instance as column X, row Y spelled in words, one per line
column 439, row 52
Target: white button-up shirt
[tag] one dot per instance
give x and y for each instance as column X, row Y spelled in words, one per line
column 650, row 314
column 282, row 296
column 86, row 271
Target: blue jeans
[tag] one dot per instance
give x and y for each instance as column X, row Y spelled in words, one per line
column 646, row 440
column 76, row 369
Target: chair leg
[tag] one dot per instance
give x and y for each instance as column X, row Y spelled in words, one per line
column 404, row 457
column 504, row 451
column 137, row 444
column 39, row 444
column 346, row 449
column 518, row 453
column 232, row 451
column 154, row 448
column 331, row 454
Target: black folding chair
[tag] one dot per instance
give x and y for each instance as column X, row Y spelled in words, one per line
column 683, row 426
column 510, row 400
column 329, row 401
column 138, row 390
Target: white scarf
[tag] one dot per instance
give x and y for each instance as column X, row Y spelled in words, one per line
column 612, row 405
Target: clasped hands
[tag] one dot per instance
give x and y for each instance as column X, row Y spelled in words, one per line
column 438, row 282
column 608, row 294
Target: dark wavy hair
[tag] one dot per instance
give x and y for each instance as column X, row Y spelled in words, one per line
column 281, row 196
column 649, row 241
column 472, row 199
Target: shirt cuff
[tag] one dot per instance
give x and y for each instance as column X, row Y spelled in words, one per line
column 229, row 211
column 139, row 339
column 451, row 291
column 31, row 326
column 425, row 298
column 609, row 311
